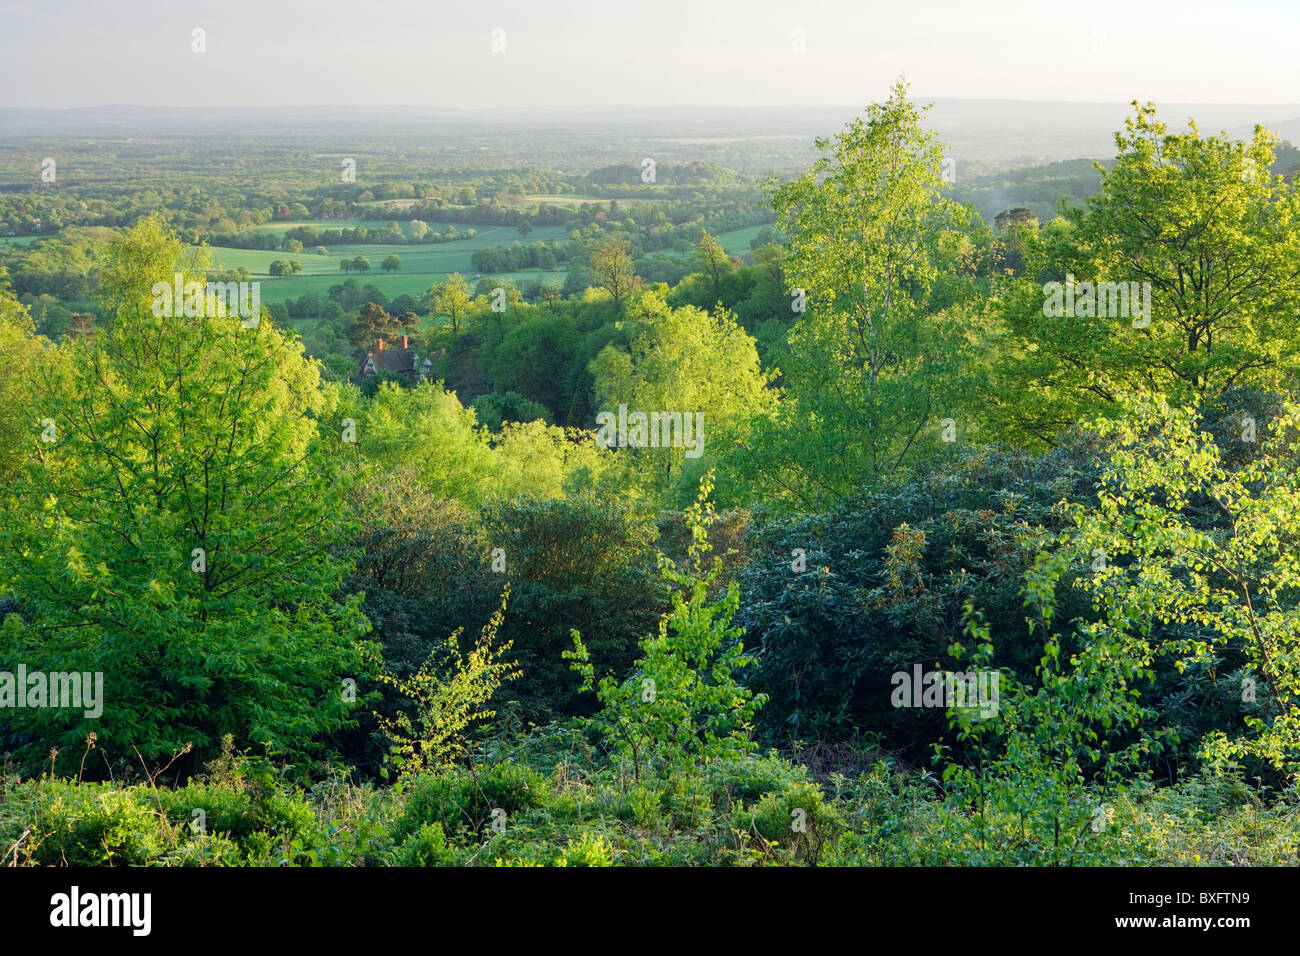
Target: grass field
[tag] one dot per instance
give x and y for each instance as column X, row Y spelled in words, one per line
column 737, row 241
column 422, row 264
column 563, row 199
column 498, row 234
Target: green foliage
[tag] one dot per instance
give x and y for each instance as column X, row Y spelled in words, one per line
column 551, row 804
column 1046, row 794
column 22, row 352
column 871, row 368
column 1217, row 237
column 580, row 563
column 188, row 509
column 1192, row 543
column 681, row 360
column 181, row 536
column 840, row 600
column 683, row 706
column 462, row 802
column 796, row 822
column 448, row 700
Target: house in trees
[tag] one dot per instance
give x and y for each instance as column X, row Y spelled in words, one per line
column 402, row 361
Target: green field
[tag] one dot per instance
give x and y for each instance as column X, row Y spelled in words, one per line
column 498, row 234
column 563, row 199
column 422, row 264
column 737, row 241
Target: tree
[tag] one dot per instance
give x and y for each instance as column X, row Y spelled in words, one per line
column 426, row 432
column 452, row 299
column 372, row 325
column 872, row 365
column 1204, row 243
column 684, row 706
column 1181, row 539
column 838, row 598
column 392, row 264
column 361, row 264
column 187, row 549
column 683, row 360
column 22, row 352
column 449, row 701
column 713, row 262
column 611, row 268
column 525, row 227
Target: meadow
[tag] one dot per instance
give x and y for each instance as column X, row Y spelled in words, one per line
column 423, row 264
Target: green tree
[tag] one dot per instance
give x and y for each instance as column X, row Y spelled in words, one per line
column 392, row 264
column 612, row 270
column 871, row 368
column 452, row 299
column 1216, row 237
column 683, row 707
column 22, row 353
column 682, row 360
column 372, row 325
column 449, row 700
column 181, row 537
column 427, row 432
column 713, row 261
column 1181, row 539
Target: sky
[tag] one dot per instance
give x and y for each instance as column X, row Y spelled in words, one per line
column 81, row 53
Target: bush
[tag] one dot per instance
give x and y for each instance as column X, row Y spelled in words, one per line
column 842, row 600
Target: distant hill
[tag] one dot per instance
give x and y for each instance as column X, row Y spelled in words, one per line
column 996, row 131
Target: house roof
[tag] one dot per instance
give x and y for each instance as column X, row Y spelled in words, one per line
column 389, row 360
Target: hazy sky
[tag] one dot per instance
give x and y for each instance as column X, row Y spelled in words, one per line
column 65, row 53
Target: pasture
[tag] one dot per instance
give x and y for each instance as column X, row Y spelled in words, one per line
column 423, row 264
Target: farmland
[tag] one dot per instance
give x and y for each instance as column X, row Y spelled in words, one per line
column 422, row 264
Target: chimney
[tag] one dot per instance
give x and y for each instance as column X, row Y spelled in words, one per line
column 381, row 345
column 404, row 345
